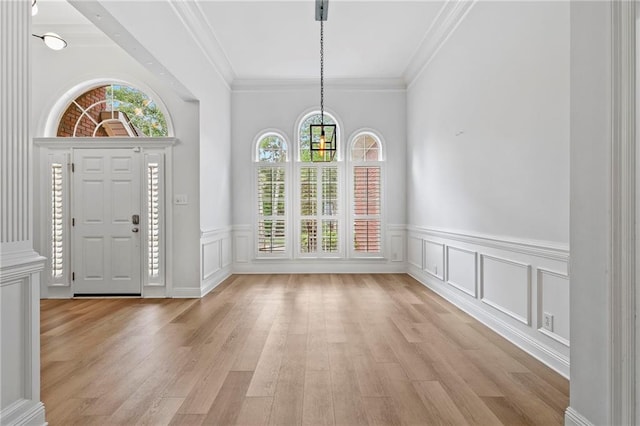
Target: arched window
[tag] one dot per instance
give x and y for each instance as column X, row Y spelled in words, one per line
column 304, row 135
column 319, row 212
column 271, row 190
column 366, row 175
column 113, row 110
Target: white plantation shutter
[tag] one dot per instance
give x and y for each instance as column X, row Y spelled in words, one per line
column 153, row 220
column 58, row 226
column 366, row 209
column 57, row 221
column 330, row 209
column 319, row 209
column 271, row 210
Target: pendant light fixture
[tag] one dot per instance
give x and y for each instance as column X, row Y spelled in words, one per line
column 52, row 40
column 322, row 137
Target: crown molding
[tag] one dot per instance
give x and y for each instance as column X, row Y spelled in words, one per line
column 197, row 25
column 348, row 84
column 449, row 17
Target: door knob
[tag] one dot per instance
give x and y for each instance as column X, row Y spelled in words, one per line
column 134, row 230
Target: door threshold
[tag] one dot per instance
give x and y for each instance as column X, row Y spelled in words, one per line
column 106, row 295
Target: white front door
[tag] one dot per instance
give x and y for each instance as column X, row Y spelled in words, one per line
column 106, row 241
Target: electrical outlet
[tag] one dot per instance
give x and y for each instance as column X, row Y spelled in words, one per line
column 547, row 321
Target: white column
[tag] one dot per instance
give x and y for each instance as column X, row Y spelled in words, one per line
column 20, row 265
column 603, row 214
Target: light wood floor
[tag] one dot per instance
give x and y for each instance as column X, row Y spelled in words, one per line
column 289, row 350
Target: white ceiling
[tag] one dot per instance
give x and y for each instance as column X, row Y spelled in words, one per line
column 272, row 39
column 262, row 39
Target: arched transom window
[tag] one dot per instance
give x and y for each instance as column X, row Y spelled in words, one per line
column 113, row 110
column 305, row 145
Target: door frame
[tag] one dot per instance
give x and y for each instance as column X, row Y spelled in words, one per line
column 54, row 145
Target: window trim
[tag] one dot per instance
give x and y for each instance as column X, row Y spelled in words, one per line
column 351, row 164
column 339, row 164
column 286, row 165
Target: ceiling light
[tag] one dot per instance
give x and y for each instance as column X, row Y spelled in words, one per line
column 322, row 137
column 52, row 40
column 34, row 8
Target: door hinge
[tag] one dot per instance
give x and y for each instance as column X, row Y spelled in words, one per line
column 73, row 276
column 73, row 167
column 73, row 221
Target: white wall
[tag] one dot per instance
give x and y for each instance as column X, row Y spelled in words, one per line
column 256, row 109
column 55, row 73
column 504, row 83
column 488, row 171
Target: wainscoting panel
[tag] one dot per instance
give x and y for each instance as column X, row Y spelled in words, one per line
column 507, row 284
column 415, row 252
column 434, row 258
column 226, row 253
column 397, row 244
column 553, row 299
column 20, row 340
column 461, row 270
column 242, row 247
column 210, row 259
column 215, row 267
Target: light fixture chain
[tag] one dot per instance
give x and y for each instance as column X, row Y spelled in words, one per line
column 321, row 72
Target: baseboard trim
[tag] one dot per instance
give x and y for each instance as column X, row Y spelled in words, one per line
column 23, row 412
column 573, row 418
column 215, row 280
column 546, row 355
column 206, row 287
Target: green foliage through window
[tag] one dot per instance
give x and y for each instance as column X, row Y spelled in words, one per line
column 143, row 113
column 305, row 150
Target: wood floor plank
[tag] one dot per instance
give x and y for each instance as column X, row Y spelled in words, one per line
column 255, row 411
column 317, row 408
column 161, row 412
column 265, row 376
column 360, row 349
column 407, row 401
column 226, row 406
column 288, row 397
column 442, row 409
column 381, row 411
